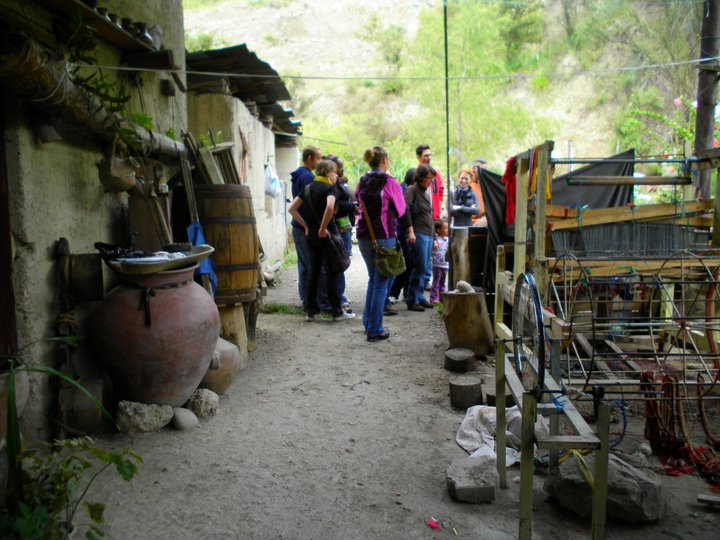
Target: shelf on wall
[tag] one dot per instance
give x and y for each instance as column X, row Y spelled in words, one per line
column 106, row 30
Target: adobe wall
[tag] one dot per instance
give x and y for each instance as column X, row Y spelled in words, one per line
column 55, row 192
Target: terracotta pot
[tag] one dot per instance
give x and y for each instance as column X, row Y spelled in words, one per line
column 22, row 392
column 155, row 335
column 224, row 367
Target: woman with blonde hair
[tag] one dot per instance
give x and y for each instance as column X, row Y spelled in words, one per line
column 381, row 206
column 465, row 203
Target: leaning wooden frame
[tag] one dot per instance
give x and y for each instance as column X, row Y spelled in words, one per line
column 676, row 294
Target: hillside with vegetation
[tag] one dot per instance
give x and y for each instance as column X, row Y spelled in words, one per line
column 594, row 76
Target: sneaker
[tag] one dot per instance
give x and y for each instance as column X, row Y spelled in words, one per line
column 415, row 307
column 392, row 299
column 389, row 310
column 344, row 316
column 309, row 318
column 424, row 303
column 345, row 304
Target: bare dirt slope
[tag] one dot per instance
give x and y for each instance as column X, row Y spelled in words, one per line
column 327, row 436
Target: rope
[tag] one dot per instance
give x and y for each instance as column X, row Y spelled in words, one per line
column 146, row 294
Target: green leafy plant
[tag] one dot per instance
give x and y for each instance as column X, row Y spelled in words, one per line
column 56, row 480
column 45, row 488
column 77, row 39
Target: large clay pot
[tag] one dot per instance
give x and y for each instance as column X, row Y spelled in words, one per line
column 155, row 335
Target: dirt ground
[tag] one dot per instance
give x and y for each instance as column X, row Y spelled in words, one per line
column 327, row 436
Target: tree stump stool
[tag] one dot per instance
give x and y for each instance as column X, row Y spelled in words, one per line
column 466, row 391
column 467, row 321
column 460, row 360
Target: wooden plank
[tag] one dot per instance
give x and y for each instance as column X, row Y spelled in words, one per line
column 540, row 212
column 625, row 358
column 629, row 181
column 689, row 221
column 574, row 419
column 558, row 211
column 600, row 490
column 527, row 468
column 208, row 161
column 500, row 437
column 709, row 499
column 521, row 217
column 669, row 267
column 614, row 215
column 560, row 442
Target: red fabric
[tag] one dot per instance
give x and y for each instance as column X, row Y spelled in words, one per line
column 510, row 181
column 438, row 188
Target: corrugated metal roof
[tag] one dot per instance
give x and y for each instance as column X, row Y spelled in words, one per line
column 258, row 83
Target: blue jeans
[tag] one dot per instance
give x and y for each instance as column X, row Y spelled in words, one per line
column 420, row 253
column 347, row 240
column 377, row 288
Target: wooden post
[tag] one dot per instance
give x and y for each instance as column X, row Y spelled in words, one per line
column 554, row 454
column 521, row 216
column 527, row 465
column 540, row 228
column 707, row 90
column 460, row 256
column 233, row 326
column 600, row 491
column 500, row 438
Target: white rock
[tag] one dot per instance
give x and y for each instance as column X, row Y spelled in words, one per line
column 184, row 418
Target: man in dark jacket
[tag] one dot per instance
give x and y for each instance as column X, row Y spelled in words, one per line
column 300, row 178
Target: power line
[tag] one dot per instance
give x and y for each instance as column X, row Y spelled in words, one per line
column 600, row 71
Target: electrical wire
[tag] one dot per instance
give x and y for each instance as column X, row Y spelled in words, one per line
column 516, row 76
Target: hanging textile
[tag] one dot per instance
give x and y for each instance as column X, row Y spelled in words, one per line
column 510, row 181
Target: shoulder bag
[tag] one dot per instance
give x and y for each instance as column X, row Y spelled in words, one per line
column 389, row 261
column 338, row 259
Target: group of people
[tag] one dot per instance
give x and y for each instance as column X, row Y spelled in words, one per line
column 383, row 212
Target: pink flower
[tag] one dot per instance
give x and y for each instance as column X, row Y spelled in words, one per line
column 715, row 143
column 678, row 102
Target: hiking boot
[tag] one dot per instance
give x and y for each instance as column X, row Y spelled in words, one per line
column 415, row 307
column 424, row 303
column 389, row 310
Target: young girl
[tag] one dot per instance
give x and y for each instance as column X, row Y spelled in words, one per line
column 440, row 264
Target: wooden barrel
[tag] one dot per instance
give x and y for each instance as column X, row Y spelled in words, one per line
column 228, row 219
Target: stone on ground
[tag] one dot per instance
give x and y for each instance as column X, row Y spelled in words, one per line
column 634, row 495
column 203, row 402
column 184, row 419
column 472, row 479
column 141, row 417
